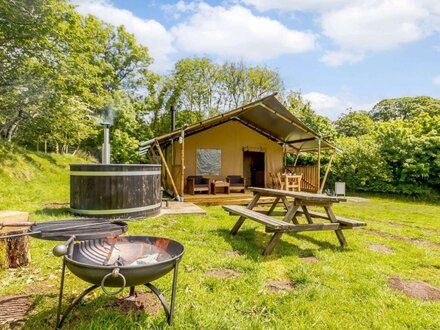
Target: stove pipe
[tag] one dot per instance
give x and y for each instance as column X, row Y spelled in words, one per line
column 106, row 145
column 173, row 117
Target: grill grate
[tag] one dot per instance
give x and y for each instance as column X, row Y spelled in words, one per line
column 60, row 230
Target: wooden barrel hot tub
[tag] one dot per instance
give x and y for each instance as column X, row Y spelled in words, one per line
column 115, row 191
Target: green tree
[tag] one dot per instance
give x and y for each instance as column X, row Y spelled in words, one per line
column 302, row 109
column 405, row 108
column 361, row 166
column 354, row 123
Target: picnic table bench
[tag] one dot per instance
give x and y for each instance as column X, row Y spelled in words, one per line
column 299, row 206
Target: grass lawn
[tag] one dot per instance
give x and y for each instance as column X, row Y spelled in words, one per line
column 347, row 288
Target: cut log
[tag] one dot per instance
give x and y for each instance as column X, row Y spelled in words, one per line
column 14, row 252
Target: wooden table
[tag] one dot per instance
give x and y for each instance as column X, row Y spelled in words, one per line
column 220, row 184
column 298, row 206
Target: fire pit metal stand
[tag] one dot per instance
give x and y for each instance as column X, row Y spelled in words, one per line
column 67, row 250
column 61, row 317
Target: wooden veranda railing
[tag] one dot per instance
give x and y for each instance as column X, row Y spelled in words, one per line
column 310, row 179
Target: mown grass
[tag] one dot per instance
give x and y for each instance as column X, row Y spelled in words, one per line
column 347, row 289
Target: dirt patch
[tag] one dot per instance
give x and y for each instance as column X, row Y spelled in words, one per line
column 232, row 253
column 279, row 286
column 56, row 205
column 310, row 259
column 410, row 240
column 414, row 289
column 356, row 199
column 142, row 302
column 395, row 224
column 14, row 309
column 222, row 273
column 380, row 248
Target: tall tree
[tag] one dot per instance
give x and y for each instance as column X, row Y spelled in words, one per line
column 405, row 108
column 354, row 123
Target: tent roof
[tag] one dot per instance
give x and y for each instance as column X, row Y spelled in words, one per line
column 266, row 116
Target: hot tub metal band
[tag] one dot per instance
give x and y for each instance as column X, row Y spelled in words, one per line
column 117, row 211
column 108, row 173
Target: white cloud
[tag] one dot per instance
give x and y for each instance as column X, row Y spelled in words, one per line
column 357, row 27
column 315, row 5
column 148, row 32
column 333, row 106
column 236, row 33
column 179, row 8
column 436, row 80
column 338, row 58
column 377, row 25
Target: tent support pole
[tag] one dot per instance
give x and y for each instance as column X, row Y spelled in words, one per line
column 182, row 162
column 327, row 170
column 296, row 159
column 319, row 165
column 167, row 169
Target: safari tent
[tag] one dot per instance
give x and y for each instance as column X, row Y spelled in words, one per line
column 251, row 141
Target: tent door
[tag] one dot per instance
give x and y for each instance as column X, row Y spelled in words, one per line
column 253, row 168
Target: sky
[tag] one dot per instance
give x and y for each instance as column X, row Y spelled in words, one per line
column 340, row 54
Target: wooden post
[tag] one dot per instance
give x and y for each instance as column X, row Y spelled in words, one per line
column 296, row 159
column 182, row 160
column 284, row 155
column 14, row 252
column 327, row 170
column 167, row 169
column 319, row 164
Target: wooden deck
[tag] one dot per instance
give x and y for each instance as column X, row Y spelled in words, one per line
column 220, row 199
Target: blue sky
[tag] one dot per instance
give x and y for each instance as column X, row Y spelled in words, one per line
column 339, row 53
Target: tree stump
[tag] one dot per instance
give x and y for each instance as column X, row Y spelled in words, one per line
column 14, row 252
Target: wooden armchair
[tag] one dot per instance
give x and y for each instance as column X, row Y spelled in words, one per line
column 293, row 182
column 196, row 183
column 236, row 182
column 280, row 182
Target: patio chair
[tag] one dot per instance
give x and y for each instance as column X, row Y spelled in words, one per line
column 195, row 183
column 280, row 181
column 236, row 182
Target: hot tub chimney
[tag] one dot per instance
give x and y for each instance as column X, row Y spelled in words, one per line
column 173, row 117
column 106, row 122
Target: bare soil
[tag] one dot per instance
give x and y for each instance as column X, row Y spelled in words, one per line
column 356, row 199
column 142, row 302
column 279, row 286
column 310, row 259
column 56, row 205
column 414, row 289
column 380, row 248
column 232, row 253
column 410, row 240
column 14, row 309
column 222, row 273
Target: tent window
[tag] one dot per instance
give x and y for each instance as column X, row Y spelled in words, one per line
column 209, row 161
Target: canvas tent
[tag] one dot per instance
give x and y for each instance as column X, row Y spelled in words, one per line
column 251, row 141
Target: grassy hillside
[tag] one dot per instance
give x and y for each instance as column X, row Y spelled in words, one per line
column 34, row 181
column 224, row 281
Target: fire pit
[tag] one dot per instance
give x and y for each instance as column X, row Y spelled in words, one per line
column 119, row 262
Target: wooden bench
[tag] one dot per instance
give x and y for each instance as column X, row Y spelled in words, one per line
column 345, row 223
column 273, row 225
column 266, row 220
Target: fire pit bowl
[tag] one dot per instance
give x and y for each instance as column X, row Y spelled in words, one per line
column 93, row 260
column 119, row 262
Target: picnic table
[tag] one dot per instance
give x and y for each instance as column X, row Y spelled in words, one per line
column 299, row 205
